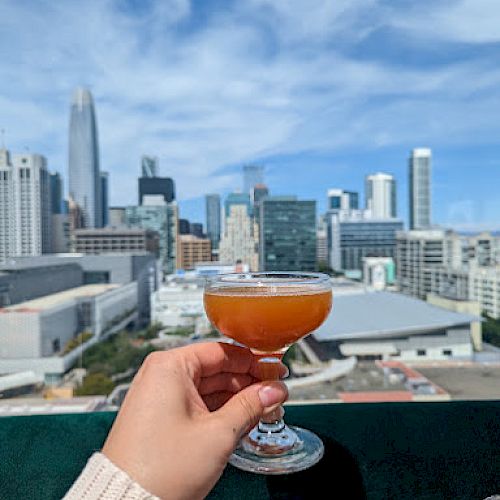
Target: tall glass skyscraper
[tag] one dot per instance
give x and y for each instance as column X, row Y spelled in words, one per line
column 105, row 198
column 380, row 194
column 83, row 165
column 420, row 188
column 252, row 175
column 212, row 210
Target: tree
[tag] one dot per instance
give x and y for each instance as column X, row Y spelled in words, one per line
column 95, row 384
column 491, row 330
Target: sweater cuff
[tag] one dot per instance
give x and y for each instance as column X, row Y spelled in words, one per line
column 101, row 479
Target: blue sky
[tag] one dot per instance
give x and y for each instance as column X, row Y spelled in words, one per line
column 319, row 92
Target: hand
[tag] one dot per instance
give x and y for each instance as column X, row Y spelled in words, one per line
column 184, row 414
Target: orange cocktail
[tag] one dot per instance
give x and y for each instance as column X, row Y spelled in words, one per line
column 266, row 320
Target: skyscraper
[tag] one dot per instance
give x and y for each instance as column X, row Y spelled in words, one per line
column 287, row 234
column 237, row 199
column 252, row 175
column 238, row 243
column 420, row 188
column 25, row 211
column 104, row 178
column 56, row 193
column 156, row 186
column 212, row 211
column 83, row 165
column 380, row 195
column 149, row 166
column 339, row 199
column 196, row 229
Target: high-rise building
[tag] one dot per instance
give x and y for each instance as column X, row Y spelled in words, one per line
column 149, row 166
column 321, row 242
column 104, row 179
column 56, row 193
column 237, row 199
column 354, row 235
column 420, row 188
column 339, row 199
column 84, row 178
column 380, row 195
column 238, row 243
column 252, row 175
column 258, row 193
column 156, row 186
column 162, row 219
column 213, row 219
column 25, row 210
column 287, row 234
column 418, row 253
column 193, row 250
column 196, row 229
column 184, row 226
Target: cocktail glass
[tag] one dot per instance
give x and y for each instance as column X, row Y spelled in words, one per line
column 268, row 312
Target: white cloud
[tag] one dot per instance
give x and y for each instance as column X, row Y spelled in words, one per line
column 259, row 78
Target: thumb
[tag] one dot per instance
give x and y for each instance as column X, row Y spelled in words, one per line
column 245, row 408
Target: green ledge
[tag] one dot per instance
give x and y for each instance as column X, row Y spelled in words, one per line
column 426, row 451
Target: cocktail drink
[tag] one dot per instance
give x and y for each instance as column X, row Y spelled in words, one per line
column 268, row 312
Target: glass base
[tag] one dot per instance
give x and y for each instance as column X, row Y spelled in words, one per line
column 301, row 449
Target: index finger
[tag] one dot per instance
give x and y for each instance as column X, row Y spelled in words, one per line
column 216, row 357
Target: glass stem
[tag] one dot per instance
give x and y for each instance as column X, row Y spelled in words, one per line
column 269, row 369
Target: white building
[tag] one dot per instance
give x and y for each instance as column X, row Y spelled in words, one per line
column 239, row 238
column 35, row 333
column 178, row 304
column 383, row 325
column 25, row 217
column 420, row 188
column 380, row 194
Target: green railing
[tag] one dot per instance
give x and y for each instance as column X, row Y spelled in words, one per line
column 377, row 451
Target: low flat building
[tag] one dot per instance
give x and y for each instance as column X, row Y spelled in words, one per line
column 383, row 325
column 36, row 334
column 115, row 240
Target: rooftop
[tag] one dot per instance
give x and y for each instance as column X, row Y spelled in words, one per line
column 56, row 299
column 384, row 314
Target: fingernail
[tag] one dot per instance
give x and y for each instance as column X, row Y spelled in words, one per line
column 271, row 394
column 287, row 372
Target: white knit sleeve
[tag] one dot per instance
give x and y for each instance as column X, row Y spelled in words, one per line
column 101, row 479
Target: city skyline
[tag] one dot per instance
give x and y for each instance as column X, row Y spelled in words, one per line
column 357, row 97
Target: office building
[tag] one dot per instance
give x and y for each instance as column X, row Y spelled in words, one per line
column 213, row 219
column 56, row 194
column 420, row 188
column 150, row 166
column 252, row 175
column 104, row 178
column 237, row 199
column 25, row 210
column 417, row 254
column 380, row 195
column 83, row 166
column 156, row 186
column 115, row 240
column 196, row 229
column 163, row 219
column 383, row 325
column 184, row 226
column 36, row 333
column 109, row 268
column 117, row 216
column 354, row 235
column 193, row 250
column 287, row 234
column 339, row 199
column 259, row 192
column 238, row 243
column 321, row 243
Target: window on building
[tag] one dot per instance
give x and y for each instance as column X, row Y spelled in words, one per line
column 56, row 345
column 421, row 352
column 447, row 352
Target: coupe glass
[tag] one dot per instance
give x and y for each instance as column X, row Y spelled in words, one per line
column 268, row 312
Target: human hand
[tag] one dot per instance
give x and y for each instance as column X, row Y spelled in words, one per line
column 184, row 414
